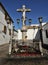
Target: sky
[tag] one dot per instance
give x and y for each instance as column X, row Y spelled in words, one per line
column 38, row 8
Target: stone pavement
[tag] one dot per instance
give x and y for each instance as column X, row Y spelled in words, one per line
column 4, row 61
column 4, row 50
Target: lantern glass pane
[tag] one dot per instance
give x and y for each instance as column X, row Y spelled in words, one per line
column 40, row 19
column 30, row 20
column 18, row 20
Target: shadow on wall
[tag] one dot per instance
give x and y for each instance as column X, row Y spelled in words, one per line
column 37, row 37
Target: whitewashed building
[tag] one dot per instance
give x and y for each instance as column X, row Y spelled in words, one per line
column 15, row 34
column 31, row 33
column 19, row 34
column 6, row 25
column 35, row 33
column 45, row 33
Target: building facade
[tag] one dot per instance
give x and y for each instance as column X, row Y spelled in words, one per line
column 15, row 34
column 45, row 33
column 6, row 25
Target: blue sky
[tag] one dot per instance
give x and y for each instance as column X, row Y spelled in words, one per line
column 38, row 8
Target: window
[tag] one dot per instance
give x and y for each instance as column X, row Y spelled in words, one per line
column 25, row 37
column 9, row 31
column 6, row 16
column 5, row 29
column 46, row 33
column 10, row 22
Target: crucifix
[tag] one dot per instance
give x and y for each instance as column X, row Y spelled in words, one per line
column 23, row 10
column 24, row 30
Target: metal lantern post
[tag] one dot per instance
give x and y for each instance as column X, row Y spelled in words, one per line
column 30, row 20
column 11, row 40
column 41, row 38
column 18, row 20
column 40, row 21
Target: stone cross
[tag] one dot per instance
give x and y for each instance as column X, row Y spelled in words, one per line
column 23, row 10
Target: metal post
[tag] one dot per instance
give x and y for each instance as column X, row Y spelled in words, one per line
column 10, row 42
column 41, row 38
column 40, row 46
column 10, row 46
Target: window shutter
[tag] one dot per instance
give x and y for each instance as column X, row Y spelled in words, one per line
column 9, row 31
column 10, row 22
column 5, row 29
column 6, row 16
